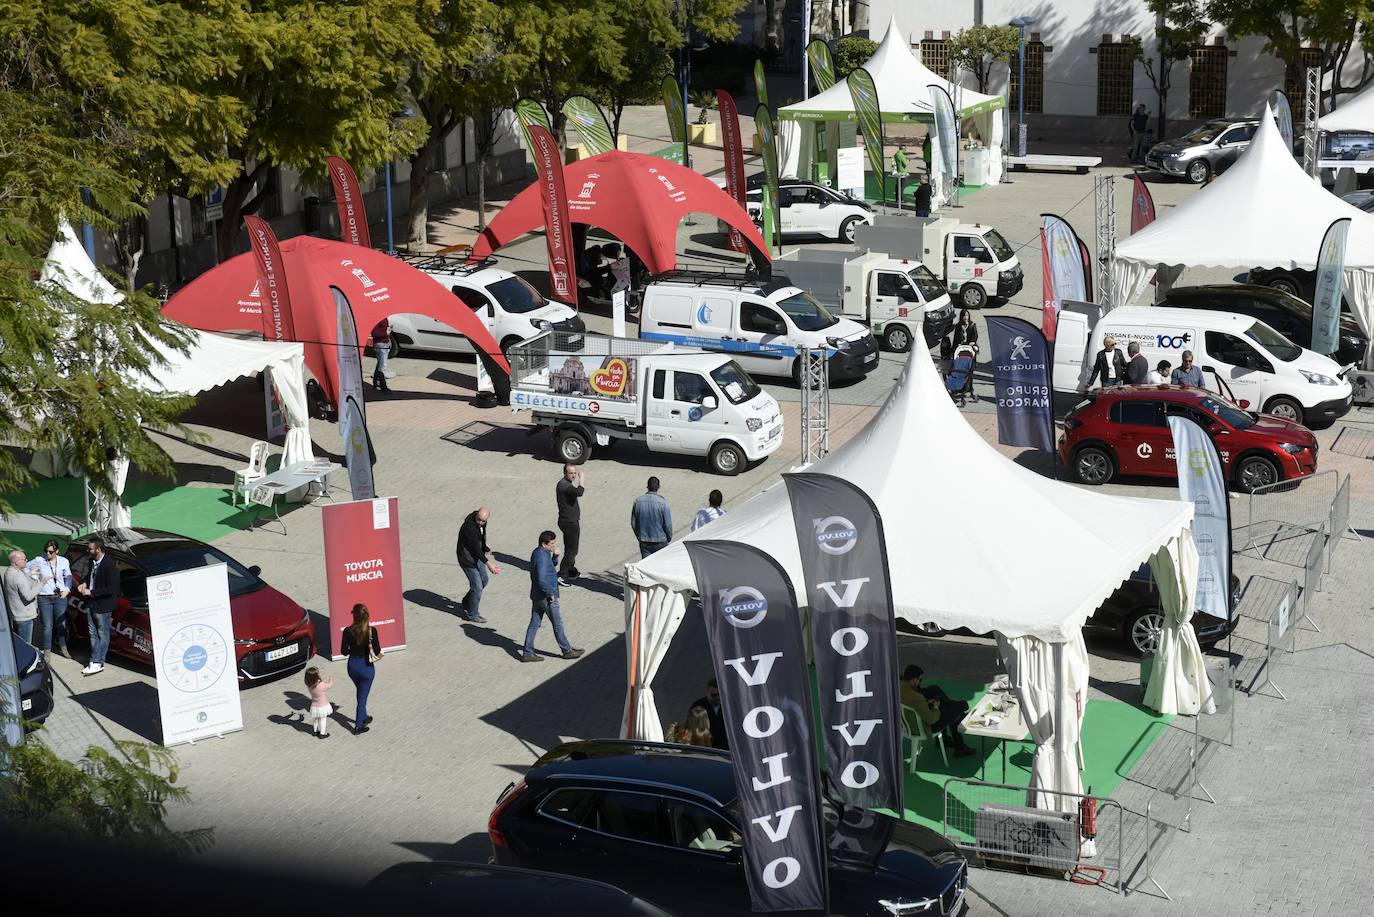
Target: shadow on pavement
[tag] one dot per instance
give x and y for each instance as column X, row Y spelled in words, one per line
column 483, row 634
column 433, row 600
column 581, row 698
column 475, row 848
column 132, row 706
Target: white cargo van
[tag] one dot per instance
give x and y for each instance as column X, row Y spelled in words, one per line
column 511, row 309
column 763, row 324
column 1258, row 368
column 597, row 389
column 974, row 261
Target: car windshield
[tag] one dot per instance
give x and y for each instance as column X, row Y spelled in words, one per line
column 734, row 382
column 999, row 245
column 1231, row 415
column 516, row 296
column 157, row 558
column 1274, row 342
column 1205, row 134
column 806, row 313
column 926, row 282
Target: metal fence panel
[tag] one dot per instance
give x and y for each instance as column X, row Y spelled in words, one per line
column 1340, row 520
column 1281, row 518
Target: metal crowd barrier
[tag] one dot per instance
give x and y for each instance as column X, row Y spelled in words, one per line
column 1339, row 525
column 1279, row 515
column 1279, row 637
column 992, row 822
column 1312, row 574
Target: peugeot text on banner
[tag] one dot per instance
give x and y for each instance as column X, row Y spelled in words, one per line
column 763, row 123
column 1062, row 269
column 548, row 162
column 753, row 627
column 734, row 159
column 1283, row 116
column 589, row 123
column 853, row 637
column 1202, row 482
column 1021, row 379
column 1326, row 302
column 760, row 83
column 1142, row 205
column 276, row 314
column 822, row 64
column 348, row 194
column 864, row 93
column 362, row 560
column 352, row 417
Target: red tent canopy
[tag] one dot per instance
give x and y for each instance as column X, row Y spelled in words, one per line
column 637, row 198
column 227, row 298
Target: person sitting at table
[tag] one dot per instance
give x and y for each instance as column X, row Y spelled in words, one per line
column 935, row 708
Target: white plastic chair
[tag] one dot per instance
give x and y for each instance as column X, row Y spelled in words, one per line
column 245, row 478
column 920, row 735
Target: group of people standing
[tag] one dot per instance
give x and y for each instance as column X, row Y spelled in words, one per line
column 1114, row 368
column 37, row 592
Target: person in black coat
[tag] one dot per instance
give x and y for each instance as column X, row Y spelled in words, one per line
column 1110, row 365
column 101, row 592
column 711, row 703
column 474, row 557
column 922, row 197
column 963, row 334
column 1137, row 368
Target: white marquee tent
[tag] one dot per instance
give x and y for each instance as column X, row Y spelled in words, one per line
column 974, row 539
column 210, row 360
column 1354, row 114
column 903, row 84
column 1264, row 211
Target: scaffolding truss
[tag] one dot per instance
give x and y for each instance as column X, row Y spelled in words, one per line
column 1311, row 104
column 1104, row 219
column 815, row 404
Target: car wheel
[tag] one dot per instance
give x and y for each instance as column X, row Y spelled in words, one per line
column 897, row 338
column 847, row 229
column 573, row 447
column 394, row 350
column 797, row 374
column 1198, row 171
column 507, row 344
column 1285, row 284
column 1256, row 471
column 1284, row 408
column 1094, row 465
column 1143, row 629
column 972, row 296
column 727, row 459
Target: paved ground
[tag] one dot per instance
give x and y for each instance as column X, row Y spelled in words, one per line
column 457, row 718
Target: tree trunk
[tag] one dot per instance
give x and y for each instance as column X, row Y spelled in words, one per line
column 482, row 191
column 820, row 19
column 772, row 25
column 235, row 197
column 130, row 242
column 859, row 17
column 418, row 210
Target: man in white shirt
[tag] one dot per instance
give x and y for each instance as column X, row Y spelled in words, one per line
column 711, row 511
column 52, row 597
column 1159, row 375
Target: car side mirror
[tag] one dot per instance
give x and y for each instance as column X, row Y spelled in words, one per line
column 255, row 570
column 1210, row 369
column 708, row 403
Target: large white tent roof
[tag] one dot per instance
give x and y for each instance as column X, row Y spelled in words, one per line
column 903, row 88
column 973, row 539
column 1355, row 114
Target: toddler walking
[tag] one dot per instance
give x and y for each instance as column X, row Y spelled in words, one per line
column 320, row 707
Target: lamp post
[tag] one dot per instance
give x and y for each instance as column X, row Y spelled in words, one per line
column 805, row 40
column 396, row 116
column 1021, row 22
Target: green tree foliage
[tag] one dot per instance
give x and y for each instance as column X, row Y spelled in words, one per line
column 851, row 53
column 1180, row 27
column 1343, row 29
column 977, row 48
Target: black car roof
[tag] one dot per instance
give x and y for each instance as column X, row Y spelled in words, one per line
column 699, row 771
column 128, row 539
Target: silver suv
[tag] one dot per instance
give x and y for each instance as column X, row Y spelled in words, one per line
column 1207, row 149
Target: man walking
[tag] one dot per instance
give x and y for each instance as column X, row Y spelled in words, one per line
column 544, row 599
column 1140, row 125
column 101, row 591
column 1137, row 367
column 569, row 491
column 711, row 511
column 652, row 520
column 21, row 595
column 1186, row 373
column 474, row 557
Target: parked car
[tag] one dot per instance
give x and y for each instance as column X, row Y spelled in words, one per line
column 35, row 681
column 1207, row 149
column 1125, row 431
column 272, row 634
column 809, row 209
column 1284, row 312
column 634, row 814
column 1361, row 199
column 467, row 888
column 1298, row 281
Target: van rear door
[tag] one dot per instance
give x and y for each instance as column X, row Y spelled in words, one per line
column 1072, row 332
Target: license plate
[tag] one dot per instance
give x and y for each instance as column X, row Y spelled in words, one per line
column 574, row 339
column 775, row 432
column 282, row 652
column 27, row 704
column 871, row 358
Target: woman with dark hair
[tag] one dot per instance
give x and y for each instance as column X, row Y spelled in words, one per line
column 963, row 334
column 362, row 648
column 56, row 575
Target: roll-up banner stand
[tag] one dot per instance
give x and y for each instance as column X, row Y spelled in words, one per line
column 362, row 559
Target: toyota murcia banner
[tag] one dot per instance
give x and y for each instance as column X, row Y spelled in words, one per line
column 362, row 560
column 754, row 630
column 853, row 637
column 1021, row 380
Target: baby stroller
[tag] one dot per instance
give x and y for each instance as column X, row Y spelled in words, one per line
column 959, row 379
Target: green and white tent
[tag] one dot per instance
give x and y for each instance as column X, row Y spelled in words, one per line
column 903, row 84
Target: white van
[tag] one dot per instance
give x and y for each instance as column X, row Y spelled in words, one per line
column 1258, row 368
column 512, row 310
column 763, row 324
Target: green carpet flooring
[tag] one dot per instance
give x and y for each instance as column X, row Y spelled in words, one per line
column 908, row 188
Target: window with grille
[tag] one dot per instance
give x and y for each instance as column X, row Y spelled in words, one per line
column 935, row 55
column 1035, row 79
column 1115, row 76
column 1207, row 82
column 1297, row 93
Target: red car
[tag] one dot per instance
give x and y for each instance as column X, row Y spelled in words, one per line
column 272, row 634
column 1125, row 431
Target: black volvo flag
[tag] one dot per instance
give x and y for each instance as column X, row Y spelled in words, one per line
column 1021, row 379
column 754, row 628
column 853, row 637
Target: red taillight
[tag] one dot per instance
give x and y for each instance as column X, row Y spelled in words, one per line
column 497, row 838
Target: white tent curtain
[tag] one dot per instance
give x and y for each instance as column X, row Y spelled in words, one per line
column 289, row 381
column 1129, row 280
column 654, row 614
column 1054, row 715
column 1178, row 683
column 112, row 513
column 789, row 149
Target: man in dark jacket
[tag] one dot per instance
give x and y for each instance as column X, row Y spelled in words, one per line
column 101, row 591
column 922, row 197
column 544, row 599
column 1137, row 367
column 1110, row 365
column 569, row 491
column 474, row 557
column 711, row 703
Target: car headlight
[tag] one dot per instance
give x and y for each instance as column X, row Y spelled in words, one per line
column 1292, row 448
column 897, row 908
column 753, row 424
column 539, row 324
column 1317, row 378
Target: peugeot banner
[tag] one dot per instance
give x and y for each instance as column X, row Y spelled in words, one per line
column 1021, row 379
column 1326, row 303
column 1142, row 205
column 277, row 324
column 754, row 630
column 853, row 637
column 548, row 162
column 348, row 194
column 822, row 64
column 1062, row 271
column 1202, row 482
column 734, row 160
column 864, row 94
column 352, row 418
column 1283, row 115
column 589, row 123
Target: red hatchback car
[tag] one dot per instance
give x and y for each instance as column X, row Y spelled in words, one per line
column 1125, row 431
column 272, row 634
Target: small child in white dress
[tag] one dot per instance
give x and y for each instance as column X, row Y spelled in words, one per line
column 320, row 707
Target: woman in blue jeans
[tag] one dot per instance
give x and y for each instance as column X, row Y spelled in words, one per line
column 362, row 648
column 52, row 597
